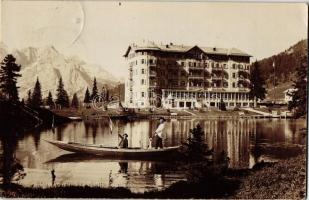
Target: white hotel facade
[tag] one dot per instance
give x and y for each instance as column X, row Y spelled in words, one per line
column 178, row 76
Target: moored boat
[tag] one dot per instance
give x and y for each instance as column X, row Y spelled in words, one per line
column 100, row 150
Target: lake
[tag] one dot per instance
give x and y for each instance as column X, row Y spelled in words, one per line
column 246, row 142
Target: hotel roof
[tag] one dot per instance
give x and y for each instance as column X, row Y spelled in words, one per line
column 183, row 48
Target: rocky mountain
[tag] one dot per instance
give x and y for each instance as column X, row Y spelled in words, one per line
column 48, row 65
column 285, row 63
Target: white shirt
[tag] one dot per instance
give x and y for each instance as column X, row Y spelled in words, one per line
column 160, row 129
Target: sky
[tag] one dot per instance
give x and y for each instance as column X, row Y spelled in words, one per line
column 100, row 32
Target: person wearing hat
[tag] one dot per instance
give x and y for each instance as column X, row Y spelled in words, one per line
column 159, row 133
column 124, row 141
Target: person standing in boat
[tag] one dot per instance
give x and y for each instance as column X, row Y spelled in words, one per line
column 159, row 133
column 124, row 141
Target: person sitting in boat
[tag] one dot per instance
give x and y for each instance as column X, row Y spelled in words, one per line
column 124, row 141
column 159, row 133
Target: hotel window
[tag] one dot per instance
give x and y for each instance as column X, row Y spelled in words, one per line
column 212, row 65
column 225, row 66
column 182, row 63
column 143, row 81
column 143, row 61
column 150, row 61
column 181, row 104
column 234, row 85
column 234, row 67
column 143, row 94
column 189, row 64
column 194, row 64
column 143, row 71
column 234, row 75
column 217, row 65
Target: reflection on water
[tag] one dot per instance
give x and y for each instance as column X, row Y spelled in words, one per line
column 244, row 140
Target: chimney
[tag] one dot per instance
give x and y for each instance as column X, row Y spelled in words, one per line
column 214, row 48
column 171, row 44
column 166, row 46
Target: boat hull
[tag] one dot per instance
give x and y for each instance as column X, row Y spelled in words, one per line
column 113, row 152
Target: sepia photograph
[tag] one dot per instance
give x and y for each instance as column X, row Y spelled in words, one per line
column 153, row 99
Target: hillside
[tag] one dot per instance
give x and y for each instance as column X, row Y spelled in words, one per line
column 48, row 64
column 285, row 64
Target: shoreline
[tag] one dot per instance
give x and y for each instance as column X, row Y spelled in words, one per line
column 92, row 114
column 286, row 176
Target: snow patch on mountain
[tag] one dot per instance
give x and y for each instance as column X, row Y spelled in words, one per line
column 47, row 64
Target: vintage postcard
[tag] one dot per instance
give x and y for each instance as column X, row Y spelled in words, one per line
column 153, row 99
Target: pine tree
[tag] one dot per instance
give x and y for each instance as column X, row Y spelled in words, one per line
column 49, row 100
column 8, row 78
column 257, row 83
column 299, row 94
column 107, row 95
column 29, row 100
column 197, row 149
column 62, row 95
column 103, row 93
column 22, row 102
column 94, row 89
column 37, row 94
column 75, row 102
column 87, row 96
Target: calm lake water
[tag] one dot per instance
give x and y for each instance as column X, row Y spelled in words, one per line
column 246, row 142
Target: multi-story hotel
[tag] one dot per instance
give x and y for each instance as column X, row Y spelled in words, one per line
column 178, row 76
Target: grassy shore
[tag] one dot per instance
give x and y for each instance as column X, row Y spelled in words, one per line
column 284, row 179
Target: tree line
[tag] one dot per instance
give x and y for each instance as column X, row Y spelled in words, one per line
column 9, row 72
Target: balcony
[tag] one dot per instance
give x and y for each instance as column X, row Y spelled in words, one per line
column 219, row 78
column 196, row 76
column 196, row 87
column 196, row 68
column 153, row 84
column 243, row 90
column 153, row 73
column 217, row 89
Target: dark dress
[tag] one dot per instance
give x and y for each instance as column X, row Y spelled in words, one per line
column 125, row 143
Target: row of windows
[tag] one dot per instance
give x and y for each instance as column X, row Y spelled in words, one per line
column 190, row 64
column 181, row 56
column 174, row 73
column 176, row 94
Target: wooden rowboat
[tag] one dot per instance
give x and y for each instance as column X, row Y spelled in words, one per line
column 100, row 150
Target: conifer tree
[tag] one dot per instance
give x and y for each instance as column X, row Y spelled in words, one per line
column 62, row 95
column 29, row 100
column 8, row 78
column 299, row 94
column 197, row 149
column 49, row 100
column 37, row 94
column 22, row 102
column 107, row 95
column 87, row 96
column 257, row 83
column 94, row 89
column 75, row 102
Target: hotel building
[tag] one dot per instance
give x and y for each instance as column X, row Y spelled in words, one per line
column 178, row 76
